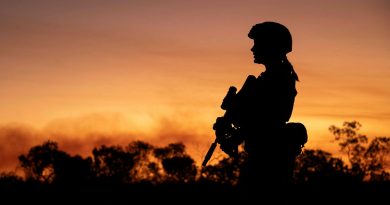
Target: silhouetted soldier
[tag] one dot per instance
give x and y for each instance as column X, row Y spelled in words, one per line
column 257, row 116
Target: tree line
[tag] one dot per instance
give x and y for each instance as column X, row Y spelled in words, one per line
column 140, row 168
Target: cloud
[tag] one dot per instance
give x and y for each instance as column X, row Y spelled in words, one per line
column 79, row 135
column 14, row 140
column 185, row 128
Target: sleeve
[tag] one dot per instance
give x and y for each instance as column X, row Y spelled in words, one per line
column 288, row 100
column 243, row 100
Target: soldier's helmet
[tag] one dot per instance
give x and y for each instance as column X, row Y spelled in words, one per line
column 272, row 35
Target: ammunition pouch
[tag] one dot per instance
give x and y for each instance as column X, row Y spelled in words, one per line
column 296, row 137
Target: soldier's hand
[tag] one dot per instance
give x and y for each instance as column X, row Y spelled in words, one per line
column 220, row 123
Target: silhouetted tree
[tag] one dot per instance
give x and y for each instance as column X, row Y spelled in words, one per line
column 226, row 171
column 376, row 158
column 146, row 167
column 318, row 166
column 177, row 164
column 113, row 164
column 72, row 169
column 172, row 150
column 46, row 163
column 38, row 164
column 367, row 159
column 9, row 178
column 10, row 184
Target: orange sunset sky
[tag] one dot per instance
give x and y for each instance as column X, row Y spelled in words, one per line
column 87, row 72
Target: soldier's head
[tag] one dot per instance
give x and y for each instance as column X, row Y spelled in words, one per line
column 271, row 41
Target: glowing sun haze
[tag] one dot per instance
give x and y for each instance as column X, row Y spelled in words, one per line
column 91, row 72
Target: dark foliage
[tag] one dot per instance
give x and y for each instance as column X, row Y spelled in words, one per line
column 367, row 158
column 144, row 173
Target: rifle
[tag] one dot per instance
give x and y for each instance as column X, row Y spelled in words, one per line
column 228, row 132
column 224, row 131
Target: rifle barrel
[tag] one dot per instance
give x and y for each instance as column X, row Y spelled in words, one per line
column 209, row 153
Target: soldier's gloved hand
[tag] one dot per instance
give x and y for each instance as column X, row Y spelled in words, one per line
column 219, row 124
